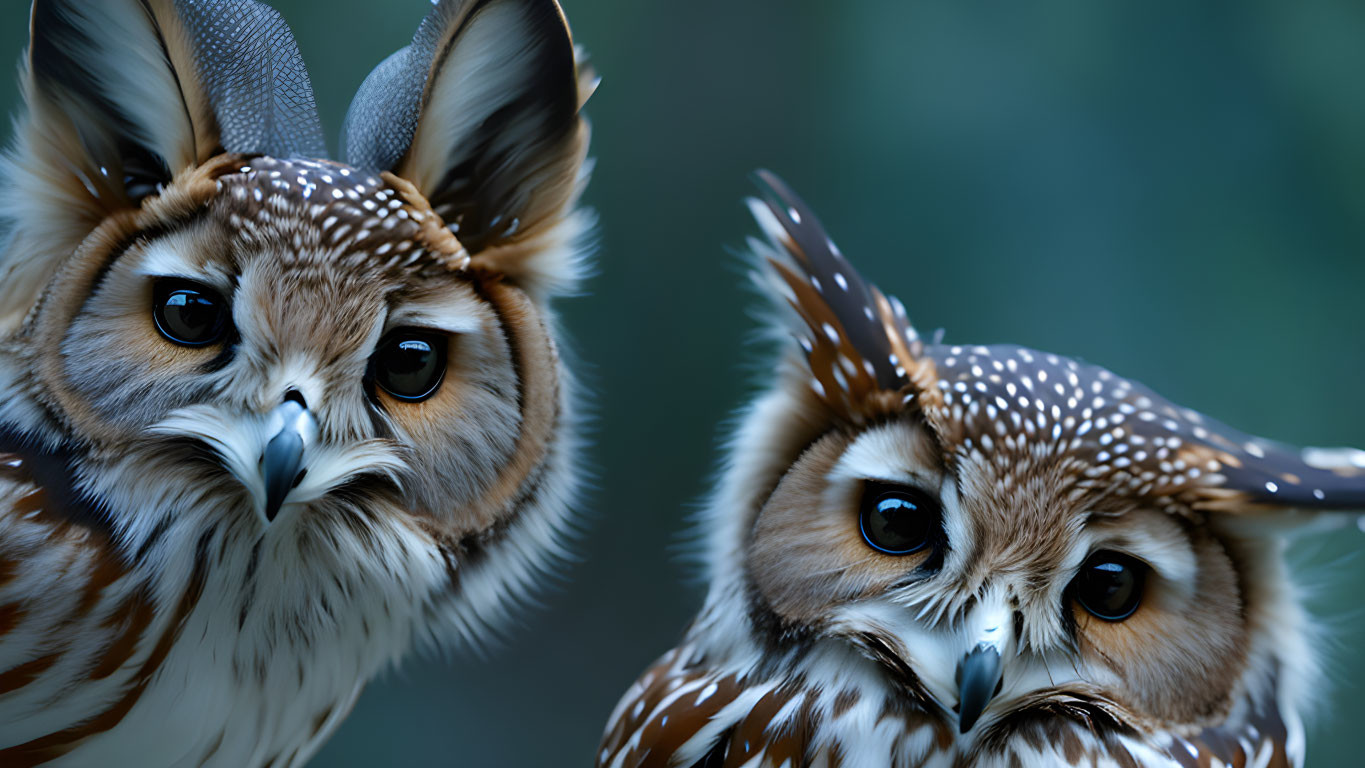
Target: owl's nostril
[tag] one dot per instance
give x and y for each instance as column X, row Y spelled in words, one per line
column 294, row 395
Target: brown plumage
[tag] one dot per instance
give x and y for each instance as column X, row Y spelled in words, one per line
column 269, row 420
column 925, row 554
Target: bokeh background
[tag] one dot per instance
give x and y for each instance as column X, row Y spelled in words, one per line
column 1174, row 190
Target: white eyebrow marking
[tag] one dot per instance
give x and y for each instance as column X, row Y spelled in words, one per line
column 450, row 313
column 165, row 257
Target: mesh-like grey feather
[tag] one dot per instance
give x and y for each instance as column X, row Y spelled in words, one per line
column 383, row 115
column 255, row 78
column 482, row 187
column 382, row 118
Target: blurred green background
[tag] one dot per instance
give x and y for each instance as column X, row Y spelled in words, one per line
column 1174, row 190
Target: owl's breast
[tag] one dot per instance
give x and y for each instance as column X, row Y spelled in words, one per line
column 698, row 708
column 209, row 644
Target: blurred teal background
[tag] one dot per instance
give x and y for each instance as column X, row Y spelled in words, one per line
column 1174, row 190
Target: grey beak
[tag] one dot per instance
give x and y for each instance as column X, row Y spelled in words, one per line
column 283, row 457
column 978, row 680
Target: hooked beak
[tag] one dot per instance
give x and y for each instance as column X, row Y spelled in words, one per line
column 282, row 460
column 978, row 680
column 979, row 673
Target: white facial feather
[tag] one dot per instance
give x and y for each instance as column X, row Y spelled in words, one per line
column 922, row 555
column 885, row 453
column 450, row 313
column 181, row 255
column 222, row 517
column 240, row 442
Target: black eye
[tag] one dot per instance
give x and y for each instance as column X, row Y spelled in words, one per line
column 188, row 313
column 898, row 520
column 410, row 363
column 1110, row 584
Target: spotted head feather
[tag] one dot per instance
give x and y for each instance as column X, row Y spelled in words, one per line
column 269, row 420
column 486, row 97
column 865, row 360
column 924, row 554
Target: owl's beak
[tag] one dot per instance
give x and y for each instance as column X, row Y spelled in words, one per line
column 282, row 460
column 978, row 680
column 979, row 674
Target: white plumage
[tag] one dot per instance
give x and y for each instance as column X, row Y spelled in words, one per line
column 936, row 555
column 269, row 421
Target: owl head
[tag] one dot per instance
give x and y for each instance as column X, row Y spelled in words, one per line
column 211, row 329
column 981, row 553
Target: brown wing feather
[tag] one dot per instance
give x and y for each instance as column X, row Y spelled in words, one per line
column 44, row 523
column 1238, row 747
column 681, row 714
column 661, row 712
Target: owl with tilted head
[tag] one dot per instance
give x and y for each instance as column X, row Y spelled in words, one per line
column 269, row 420
column 930, row 555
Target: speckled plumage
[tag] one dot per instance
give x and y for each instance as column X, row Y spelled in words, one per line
column 814, row 648
column 208, row 545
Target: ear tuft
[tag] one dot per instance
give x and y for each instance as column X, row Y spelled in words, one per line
column 863, row 355
column 122, row 95
column 102, row 77
column 255, row 79
column 480, row 113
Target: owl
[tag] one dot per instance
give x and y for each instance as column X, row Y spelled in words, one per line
column 268, row 420
column 931, row 555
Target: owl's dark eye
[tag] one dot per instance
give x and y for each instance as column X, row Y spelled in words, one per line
column 898, row 520
column 189, row 314
column 410, row 363
column 1110, row 585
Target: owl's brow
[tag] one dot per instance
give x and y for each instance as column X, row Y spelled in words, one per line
column 145, row 235
column 168, row 262
column 449, row 313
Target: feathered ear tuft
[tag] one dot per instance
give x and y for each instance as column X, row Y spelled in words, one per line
column 481, row 115
column 124, row 94
column 864, row 360
column 255, row 79
column 864, row 357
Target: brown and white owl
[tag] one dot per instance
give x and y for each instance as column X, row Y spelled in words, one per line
column 270, row 420
column 930, row 555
